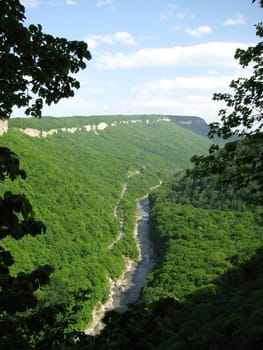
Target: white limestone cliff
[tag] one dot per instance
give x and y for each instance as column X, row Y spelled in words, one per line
column 3, row 126
column 89, row 127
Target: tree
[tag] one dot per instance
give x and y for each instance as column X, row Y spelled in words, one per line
column 35, row 68
column 239, row 162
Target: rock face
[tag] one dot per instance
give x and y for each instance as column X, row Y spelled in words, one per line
column 195, row 124
column 90, row 127
column 3, row 126
column 31, row 132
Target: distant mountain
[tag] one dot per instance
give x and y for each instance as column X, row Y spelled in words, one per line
column 193, row 123
column 196, row 124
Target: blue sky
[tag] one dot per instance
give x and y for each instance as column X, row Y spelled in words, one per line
column 150, row 56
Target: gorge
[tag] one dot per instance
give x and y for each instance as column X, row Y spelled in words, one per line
column 84, row 187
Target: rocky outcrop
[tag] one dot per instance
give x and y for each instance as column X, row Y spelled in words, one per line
column 3, row 126
column 31, row 132
column 193, row 123
column 49, row 132
column 89, row 127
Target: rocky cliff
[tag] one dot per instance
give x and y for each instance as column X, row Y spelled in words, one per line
column 3, row 126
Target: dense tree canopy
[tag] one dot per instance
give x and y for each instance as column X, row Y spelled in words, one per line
column 35, row 67
column 240, row 162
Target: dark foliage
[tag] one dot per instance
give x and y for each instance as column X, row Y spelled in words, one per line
column 35, row 62
column 239, row 162
column 35, row 69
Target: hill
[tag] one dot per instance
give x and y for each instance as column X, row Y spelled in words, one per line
column 206, row 288
column 75, row 177
column 194, row 123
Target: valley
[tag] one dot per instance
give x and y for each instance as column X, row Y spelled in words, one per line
column 74, row 181
column 131, row 231
column 84, row 184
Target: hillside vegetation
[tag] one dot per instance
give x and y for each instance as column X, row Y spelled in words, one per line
column 74, row 182
column 206, row 289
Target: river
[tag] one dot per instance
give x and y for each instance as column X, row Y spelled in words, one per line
column 127, row 289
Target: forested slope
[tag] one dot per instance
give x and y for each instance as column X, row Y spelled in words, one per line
column 206, row 289
column 74, row 182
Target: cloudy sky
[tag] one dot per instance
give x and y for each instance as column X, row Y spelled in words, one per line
column 150, row 56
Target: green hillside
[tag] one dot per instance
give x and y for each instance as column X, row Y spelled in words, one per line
column 74, row 182
column 206, row 288
column 205, row 291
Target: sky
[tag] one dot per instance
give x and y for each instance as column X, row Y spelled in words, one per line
column 150, row 56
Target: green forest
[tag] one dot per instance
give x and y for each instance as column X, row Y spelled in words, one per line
column 74, row 182
column 206, row 288
column 68, row 209
column 206, row 237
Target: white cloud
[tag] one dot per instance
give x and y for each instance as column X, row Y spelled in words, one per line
column 110, row 39
column 213, row 72
column 182, row 95
column 198, row 105
column 213, row 55
column 125, row 38
column 175, row 86
column 101, row 3
column 71, row 2
column 30, row 3
column 239, row 19
column 36, row 3
column 199, row 31
column 158, row 104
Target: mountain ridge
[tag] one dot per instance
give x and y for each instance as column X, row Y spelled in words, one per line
column 51, row 125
